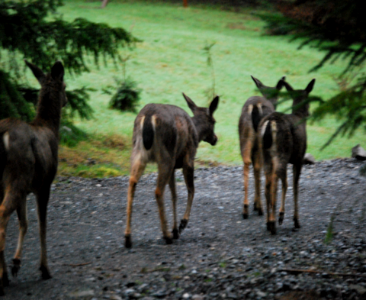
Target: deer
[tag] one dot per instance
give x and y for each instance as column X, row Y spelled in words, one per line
column 28, row 164
column 167, row 135
column 282, row 140
column 254, row 109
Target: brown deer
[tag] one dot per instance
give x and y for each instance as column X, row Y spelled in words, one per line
column 282, row 138
column 167, row 135
column 28, row 163
column 254, row 109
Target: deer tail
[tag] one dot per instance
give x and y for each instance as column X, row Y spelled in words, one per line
column 148, row 131
column 269, row 133
column 257, row 115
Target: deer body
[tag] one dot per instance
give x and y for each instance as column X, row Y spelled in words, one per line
column 167, row 135
column 282, row 139
column 28, row 163
column 254, row 109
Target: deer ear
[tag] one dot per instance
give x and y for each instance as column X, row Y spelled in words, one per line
column 214, row 104
column 57, row 71
column 310, row 86
column 257, row 82
column 287, row 86
column 37, row 72
column 190, row 103
column 280, row 83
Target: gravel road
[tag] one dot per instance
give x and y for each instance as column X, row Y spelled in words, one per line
column 218, row 256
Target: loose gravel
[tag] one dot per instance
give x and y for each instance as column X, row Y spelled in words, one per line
column 218, row 256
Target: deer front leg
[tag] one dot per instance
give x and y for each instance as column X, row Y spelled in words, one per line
column 43, row 196
column 174, row 202
column 188, row 172
column 247, row 161
column 23, row 227
column 283, row 178
column 272, row 216
column 267, row 192
column 257, row 180
column 137, row 169
column 165, row 172
column 296, row 177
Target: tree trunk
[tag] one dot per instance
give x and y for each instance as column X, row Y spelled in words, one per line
column 185, row 3
column 104, row 3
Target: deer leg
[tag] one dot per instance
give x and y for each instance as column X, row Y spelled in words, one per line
column 165, row 174
column 188, row 172
column 7, row 207
column 273, row 192
column 247, row 161
column 267, row 194
column 174, row 201
column 283, row 177
column 137, row 169
column 296, row 177
column 257, row 181
column 43, row 196
column 23, row 226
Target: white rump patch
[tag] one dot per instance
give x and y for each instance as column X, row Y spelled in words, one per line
column 259, row 105
column 153, row 121
column 6, row 140
column 264, row 127
column 250, row 109
column 142, row 122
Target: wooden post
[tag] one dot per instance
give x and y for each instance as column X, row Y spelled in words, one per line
column 185, row 3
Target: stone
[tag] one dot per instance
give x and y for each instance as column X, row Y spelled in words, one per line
column 308, row 159
column 358, row 288
column 87, row 294
column 358, row 152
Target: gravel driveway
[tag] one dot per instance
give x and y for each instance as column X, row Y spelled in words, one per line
column 218, row 256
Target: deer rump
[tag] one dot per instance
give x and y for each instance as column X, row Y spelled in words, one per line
column 164, row 130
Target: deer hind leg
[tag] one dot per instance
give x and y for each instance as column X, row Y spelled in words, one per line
column 23, row 227
column 188, row 172
column 43, row 196
column 283, row 177
column 247, row 161
column 257, row 180
column 296, row 177
column 165, row 173
column 174, row 201
column 273, row 199
column 7, row 207
column 137, row 170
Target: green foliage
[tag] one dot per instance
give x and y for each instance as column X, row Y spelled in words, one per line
column 70, row 135
column 33, row 30
column 335, row 27
column 126, row 97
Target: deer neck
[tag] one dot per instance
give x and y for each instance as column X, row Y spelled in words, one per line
column 200, row 128
column 49, row 110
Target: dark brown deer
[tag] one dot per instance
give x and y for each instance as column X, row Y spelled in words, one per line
column 254, row 109
column 282, row 138
column 167, row 135
column 28, row 163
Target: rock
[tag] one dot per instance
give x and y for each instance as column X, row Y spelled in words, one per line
column 186, row 296
column 197, row 297
column 87, row 294
column 358, row 152
column 358, row 288
column 159, row 294
column 308, row 159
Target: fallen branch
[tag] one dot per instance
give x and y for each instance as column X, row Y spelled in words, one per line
column 297, row 271
column 77, row 265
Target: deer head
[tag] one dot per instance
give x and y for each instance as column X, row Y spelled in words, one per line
column 270, row 93
column 203, row 119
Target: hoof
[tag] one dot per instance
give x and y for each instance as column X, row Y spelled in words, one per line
column 15, row 268
column 182, row 225
column 128, row 242
column 296, row 223
column 168, row 240
column 260, row 212
column 271, row 226
column 175, row 234
column 5, row 279
column 255, row 208
column 245, row 216
column 45, row 273
column 280, row 218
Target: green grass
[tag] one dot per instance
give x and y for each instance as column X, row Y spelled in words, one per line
column 170, row 60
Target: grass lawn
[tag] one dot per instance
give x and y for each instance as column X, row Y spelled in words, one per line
column 170, row 60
